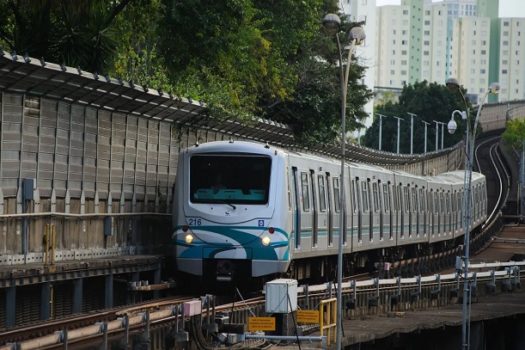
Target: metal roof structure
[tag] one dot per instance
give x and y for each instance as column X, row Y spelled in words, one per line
column 26, row 75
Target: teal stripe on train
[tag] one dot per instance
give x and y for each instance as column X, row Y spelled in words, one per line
column 250, row 242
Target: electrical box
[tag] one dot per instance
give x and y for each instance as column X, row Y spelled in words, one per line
column 108, row 226
column 281, row 296
column 192, row 308
column 27, row 189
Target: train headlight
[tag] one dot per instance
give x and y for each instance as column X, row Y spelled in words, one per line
column 265, row 240
column 188, row 238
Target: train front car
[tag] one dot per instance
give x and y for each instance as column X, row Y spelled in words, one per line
column 231, row 214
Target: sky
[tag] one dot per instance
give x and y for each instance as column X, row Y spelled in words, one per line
column 507, row 8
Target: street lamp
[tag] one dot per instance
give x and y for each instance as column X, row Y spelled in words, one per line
column 437, row 134
column 398, row 136
column 381, row 116
column 412, row 115
column 470, row 140
column 332, row 23
column 426, row 124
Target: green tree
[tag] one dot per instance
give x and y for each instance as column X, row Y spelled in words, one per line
column 514, row 133
column 77, row 33
column 430, row 101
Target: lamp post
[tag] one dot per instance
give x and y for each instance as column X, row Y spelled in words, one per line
column 398, row 125
column 412, row 115
column 381, row 116
column 426, row 124
column 437, row 134
column 332, row 23
column 470, row 140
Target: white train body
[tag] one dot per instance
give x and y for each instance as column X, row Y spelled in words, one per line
column 270, row 207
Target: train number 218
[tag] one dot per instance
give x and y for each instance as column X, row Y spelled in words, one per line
column 194, row 222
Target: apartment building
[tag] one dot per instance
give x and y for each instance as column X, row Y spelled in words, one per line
column 511, row 59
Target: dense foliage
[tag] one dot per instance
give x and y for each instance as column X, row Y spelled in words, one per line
column 431, row 102
column 514, row 134
column 243, row 58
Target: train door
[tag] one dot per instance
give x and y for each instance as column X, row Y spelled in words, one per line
column 365, row 206
column 422, row 215
column 297, row 208
column 354, row 210
column 359, row 210
column 409, row 191
column 322, row 216
column 405, row 206
column 337, row 206
column 380, row 209
column 306, row 217
column 397, row 204
column 387, row 208
column 329, row 211
column 315, row 215
column 374, row 210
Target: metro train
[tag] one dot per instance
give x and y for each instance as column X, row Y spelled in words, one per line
column 246, row 210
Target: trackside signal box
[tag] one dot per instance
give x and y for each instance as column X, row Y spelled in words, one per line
column 281, row 296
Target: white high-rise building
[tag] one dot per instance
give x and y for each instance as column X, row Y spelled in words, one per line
column 392, row 50
column 512, row 59
column 470, row 53
column 424, row 40
column 365, row 11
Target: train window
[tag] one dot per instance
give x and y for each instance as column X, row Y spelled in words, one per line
column 386, row 198
column 305, row 192
column 397, row 203
column 364, row 189
column 376, row 196
column 322, row 193
column 337, row 197
column 354, row 197
column 215, row 178
column 406, row 198
column 414, row 199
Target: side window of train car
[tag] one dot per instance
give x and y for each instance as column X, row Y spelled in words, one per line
column 414, row 199
column 386, row 198
column 305, row 192
column 375, row 192
column 354, row 196
column 322, row 193
column 422, row 200
column 337, row 200
column 364, row 197
column 406, row 198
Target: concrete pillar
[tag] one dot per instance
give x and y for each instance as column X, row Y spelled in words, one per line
column 10, row 306
column 156, row 280
column 108, row 301
column 78, row 295
column 45, row 295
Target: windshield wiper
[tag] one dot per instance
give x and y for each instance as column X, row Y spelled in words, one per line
column 227, row 203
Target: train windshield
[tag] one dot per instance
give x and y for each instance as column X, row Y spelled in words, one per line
column 239, row 179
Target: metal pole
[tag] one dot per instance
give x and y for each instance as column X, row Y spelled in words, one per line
column 467, row 202
column 344, row 81
column 437, row 133
column 398, row 132
column 442, row 134
column 425, row 147
column 412, row 115
column 381, row 131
